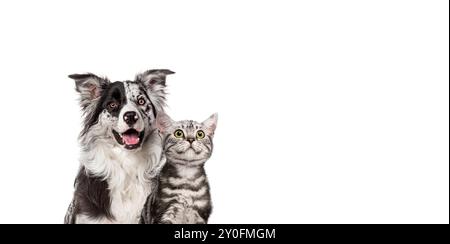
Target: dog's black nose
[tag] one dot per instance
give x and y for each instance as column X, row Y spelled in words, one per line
column 190, row 140
column 130, row 118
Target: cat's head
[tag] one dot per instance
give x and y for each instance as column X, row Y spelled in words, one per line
column 187, row 141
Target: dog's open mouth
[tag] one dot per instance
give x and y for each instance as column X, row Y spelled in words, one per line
column 131, row 138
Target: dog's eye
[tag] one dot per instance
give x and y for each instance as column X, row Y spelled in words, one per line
column 178, row 133
column 112, row 105
column 200, row 134
column 141, row 101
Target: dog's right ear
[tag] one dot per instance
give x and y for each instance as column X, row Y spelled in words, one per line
column 89, row 86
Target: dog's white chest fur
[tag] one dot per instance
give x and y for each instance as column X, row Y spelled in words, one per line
column 127, row 174
column 128, row 190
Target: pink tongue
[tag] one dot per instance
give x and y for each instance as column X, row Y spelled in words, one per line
column 130, row 139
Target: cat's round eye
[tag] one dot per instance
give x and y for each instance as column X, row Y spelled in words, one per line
column 200, row 134
column 112, row 105
column 178, row 134
column 141, row 101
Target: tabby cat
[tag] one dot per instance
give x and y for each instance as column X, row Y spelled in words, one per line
column 183, row 195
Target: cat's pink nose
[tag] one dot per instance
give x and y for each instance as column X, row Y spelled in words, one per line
column 190, row 140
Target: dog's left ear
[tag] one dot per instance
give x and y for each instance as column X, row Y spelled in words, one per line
column 154, row 77
column 154, row 81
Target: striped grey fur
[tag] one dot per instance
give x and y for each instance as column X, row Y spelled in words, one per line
column 183, row 192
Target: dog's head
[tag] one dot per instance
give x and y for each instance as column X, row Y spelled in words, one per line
column 121, row 111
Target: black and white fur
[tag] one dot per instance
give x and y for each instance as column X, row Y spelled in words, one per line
column 183, row 193
column 119, row 146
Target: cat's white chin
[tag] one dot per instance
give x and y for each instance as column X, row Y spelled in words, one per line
column 187, row 161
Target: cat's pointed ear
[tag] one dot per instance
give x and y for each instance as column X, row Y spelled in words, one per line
column 154, row 81
column 163, row 122
column 89, row 86
column 211, row 123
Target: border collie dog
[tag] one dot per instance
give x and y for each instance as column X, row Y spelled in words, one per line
column 119, row 147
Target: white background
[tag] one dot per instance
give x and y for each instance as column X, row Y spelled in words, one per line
column 329, row 111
